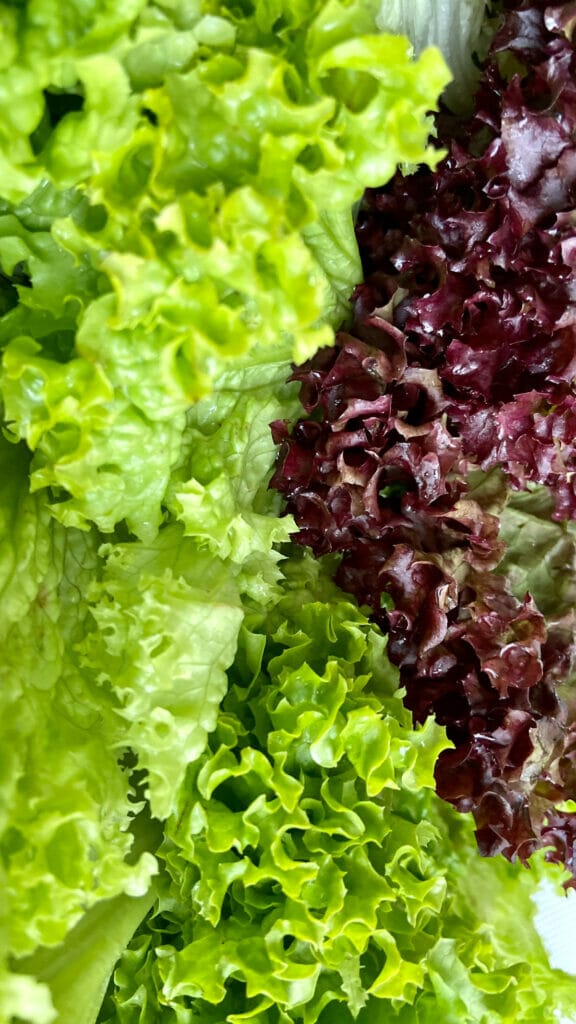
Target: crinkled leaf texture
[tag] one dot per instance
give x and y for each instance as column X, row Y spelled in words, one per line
column 69, row 810
column 149, row 604
column 67, row 804
column 162, row 168
column 177, row 186
column 453, row 388
column 115, row 658
column 174, row 227
column 311, row 874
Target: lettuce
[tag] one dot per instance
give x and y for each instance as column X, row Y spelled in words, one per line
column 459, row 27
column 438, row 456
column 67, row 805
column 70, row 980
column 175, row 226
column 178, row 188
column 213, row 804
column 309, row 871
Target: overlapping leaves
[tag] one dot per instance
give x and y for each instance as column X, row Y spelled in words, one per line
column 460, row 360
column 146, row 246
column 310, row 872
column 177, row 185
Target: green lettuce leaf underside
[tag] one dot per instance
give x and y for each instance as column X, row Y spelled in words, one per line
column 66, row 802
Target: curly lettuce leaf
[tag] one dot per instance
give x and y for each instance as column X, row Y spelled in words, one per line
column 150, row 602
column 311, row 871
column 116, row 657
column 177, row 192
column 219, row 489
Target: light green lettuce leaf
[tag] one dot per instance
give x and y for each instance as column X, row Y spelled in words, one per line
column 334, row 246
column 167, row 620
column 67, row 805
column 178, row 187
column 74, row 975
column 219, row 490
column 22, row 994
column 88, row 442
column 44, row 287
column 168, row 613
column 311, row 879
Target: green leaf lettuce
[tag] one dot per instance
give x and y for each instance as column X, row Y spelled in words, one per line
column 310, row 873
column 177, row 191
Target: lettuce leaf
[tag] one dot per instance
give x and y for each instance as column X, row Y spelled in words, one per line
column 74, row 975
column 540, row 551
column 67, row 805
column 310, row 870
column 145, row 607
column 460, row 28
column 219, row 489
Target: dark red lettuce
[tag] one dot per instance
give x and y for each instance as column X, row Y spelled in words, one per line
column 454, row 384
